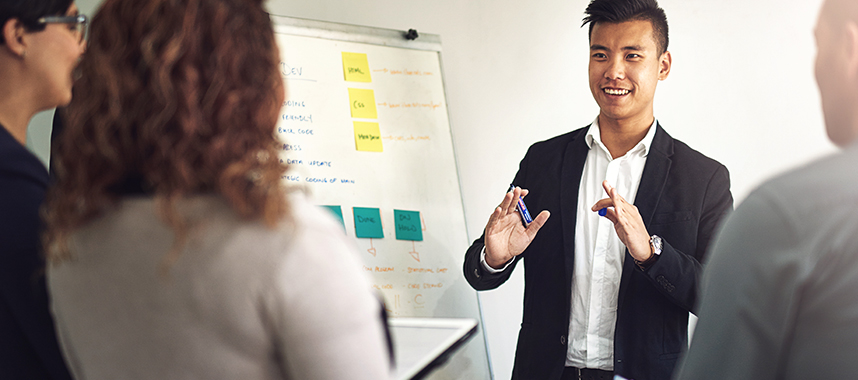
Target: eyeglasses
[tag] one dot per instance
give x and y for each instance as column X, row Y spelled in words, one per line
column 77, row 22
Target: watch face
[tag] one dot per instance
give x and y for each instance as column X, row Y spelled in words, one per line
column 656, row 242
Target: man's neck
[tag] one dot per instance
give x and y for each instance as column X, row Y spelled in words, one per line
column 620, row 136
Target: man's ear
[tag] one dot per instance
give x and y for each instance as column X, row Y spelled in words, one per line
column 13, row 37
column 664, row 65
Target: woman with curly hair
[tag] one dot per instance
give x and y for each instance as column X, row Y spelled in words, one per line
column 40, row 43
column 174, row 250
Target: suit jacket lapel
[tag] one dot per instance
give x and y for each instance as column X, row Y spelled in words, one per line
column 654, row 175
column 652, row 184
column 574, row 158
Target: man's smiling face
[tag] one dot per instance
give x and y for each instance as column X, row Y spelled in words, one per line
column 625, row 67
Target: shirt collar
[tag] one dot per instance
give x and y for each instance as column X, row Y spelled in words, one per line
column 594, row 135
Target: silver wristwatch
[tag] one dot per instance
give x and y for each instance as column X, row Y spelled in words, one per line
column 656, row 243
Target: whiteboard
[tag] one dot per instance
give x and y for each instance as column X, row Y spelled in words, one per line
column 411, row 184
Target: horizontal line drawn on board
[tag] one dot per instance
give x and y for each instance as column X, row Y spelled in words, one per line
column 406, row 138
column 432, row 105
column 403, row 72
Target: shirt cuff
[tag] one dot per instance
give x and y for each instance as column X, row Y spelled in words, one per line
column 490, row 269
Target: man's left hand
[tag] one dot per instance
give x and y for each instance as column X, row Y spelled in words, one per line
column 627, row 222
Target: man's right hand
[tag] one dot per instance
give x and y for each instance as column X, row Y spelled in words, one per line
column 506, row 236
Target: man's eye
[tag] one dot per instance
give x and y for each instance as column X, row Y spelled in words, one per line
column 633, row 56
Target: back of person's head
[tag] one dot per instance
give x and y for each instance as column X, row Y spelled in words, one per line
column 176, row 98
column 617, row 11
column 29, row 12
column 838, row 12
column 836, row 70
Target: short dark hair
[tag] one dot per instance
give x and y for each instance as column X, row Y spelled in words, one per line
column 30, row 11
column 617, row 11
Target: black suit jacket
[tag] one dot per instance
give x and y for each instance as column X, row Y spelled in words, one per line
column 28, row 342
column 682, row 197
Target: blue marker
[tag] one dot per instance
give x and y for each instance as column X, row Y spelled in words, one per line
column 603, row 211
column 522, row 209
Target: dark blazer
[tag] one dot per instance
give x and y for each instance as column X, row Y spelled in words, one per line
column 28, row 342
column 682, row 197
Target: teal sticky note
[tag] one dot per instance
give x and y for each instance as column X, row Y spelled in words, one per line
column 338, row 214
column 368, row 223
column 408, row 225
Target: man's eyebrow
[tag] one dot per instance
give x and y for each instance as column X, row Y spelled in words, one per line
column 624, row 48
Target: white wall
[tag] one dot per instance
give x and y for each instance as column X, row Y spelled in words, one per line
column 741, row 91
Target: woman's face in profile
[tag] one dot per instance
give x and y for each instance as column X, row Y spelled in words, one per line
column 54, row 54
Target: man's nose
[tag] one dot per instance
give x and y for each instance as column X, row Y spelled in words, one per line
column 616, row 70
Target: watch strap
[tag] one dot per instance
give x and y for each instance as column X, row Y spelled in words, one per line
column 656, row 244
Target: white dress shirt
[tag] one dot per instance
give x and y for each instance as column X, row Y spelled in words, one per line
column 599, row 253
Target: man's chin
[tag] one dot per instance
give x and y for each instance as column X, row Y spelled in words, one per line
column 615, row 113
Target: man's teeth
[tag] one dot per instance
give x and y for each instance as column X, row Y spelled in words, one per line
column 611, row 91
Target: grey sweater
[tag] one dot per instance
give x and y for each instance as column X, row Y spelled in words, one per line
column 241, row 302
column 780, row 292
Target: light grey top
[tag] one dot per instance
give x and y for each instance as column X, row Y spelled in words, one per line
column 780, row 290
column 242, row 302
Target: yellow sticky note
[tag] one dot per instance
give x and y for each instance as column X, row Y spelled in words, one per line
column 367, row 137
column 356, row 67
column 362, row 103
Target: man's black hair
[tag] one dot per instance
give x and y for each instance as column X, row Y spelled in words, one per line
column 29, row 12
column 616, row 11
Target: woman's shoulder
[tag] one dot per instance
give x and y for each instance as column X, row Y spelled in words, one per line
column 314, row 229
column 306, row 233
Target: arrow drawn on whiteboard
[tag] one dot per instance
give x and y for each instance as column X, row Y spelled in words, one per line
column 372, row 250
column 414, row 253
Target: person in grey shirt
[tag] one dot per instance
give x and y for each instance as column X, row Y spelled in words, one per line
column 780, row 292
column 175, row 249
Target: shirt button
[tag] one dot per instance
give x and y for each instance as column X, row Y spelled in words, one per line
column 477, row 272
column 562, row 339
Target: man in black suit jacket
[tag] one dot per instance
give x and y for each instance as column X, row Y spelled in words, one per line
column 659, row 241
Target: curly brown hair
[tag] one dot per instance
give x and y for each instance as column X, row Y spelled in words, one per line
column 175, row 98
